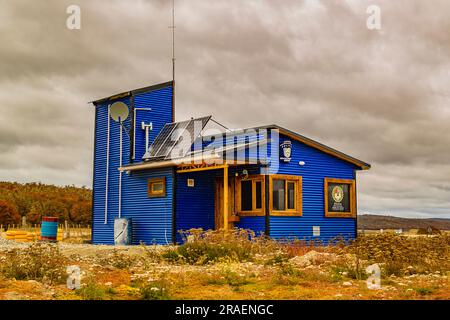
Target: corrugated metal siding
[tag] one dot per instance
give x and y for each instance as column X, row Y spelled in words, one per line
column 257, row 224
column 195, row 206
column 152, row 218
column 104, row 233
column 160, row 101
column 318, row 165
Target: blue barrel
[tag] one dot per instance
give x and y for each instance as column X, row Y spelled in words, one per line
column 49, row 229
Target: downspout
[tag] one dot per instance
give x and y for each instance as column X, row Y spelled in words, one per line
column 132, row 130
column 107, row 166
column 120, row 172
column 93, row 173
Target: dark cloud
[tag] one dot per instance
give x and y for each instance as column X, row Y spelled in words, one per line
column 311, row 66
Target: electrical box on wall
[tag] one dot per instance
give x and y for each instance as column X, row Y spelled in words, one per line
column 316, row 231
column 190, row 182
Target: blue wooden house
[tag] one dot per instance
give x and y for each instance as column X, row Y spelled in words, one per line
column 167, row 176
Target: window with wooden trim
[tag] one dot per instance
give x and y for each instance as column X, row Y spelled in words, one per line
column 156, row 187
column 340, row 198
column 285, row 195
column 250, row 196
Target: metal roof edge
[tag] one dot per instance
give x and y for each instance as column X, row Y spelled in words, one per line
column 315, row 144
column 322, row 147
column 133, row 92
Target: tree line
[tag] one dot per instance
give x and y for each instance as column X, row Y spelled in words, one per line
column 35, row 200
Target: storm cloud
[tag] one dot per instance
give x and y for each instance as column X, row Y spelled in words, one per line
column 311, row 66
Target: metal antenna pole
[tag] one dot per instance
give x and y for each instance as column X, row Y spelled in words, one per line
column 173, row 60
column 173, row 40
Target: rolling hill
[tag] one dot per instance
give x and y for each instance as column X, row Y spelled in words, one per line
column 376, row 222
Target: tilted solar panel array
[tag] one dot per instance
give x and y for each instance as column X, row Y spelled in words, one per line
column 160, row 139
column 179, row 135
column 186, row 138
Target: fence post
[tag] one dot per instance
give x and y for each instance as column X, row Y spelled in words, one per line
column 66, row 230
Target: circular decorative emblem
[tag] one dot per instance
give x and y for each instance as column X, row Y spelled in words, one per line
column 338, row 193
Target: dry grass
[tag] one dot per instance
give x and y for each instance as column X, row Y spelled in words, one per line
column 40, row 261
column 213, row 246
column 214, row 265
column 399, row 255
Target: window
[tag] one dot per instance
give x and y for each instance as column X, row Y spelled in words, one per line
column 291, row 195
column 156, row 187
column 340, row 198
column 278, row 194
column 250, row 195
column 247, row 195
column 286, row 195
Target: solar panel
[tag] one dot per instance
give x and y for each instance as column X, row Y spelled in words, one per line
column 172, row 134
column 187, row 137
column 160, row 140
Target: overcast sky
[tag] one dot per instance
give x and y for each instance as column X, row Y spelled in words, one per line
column 314, row 67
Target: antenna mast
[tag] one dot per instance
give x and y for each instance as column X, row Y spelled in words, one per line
column 173, row 40
column 173, row 60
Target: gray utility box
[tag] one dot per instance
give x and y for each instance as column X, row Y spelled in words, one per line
column 122, row 232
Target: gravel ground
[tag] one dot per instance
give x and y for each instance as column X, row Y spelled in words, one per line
column 81, row 249
column 9, row 244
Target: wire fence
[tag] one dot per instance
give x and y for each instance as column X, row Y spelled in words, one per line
column 66, row 232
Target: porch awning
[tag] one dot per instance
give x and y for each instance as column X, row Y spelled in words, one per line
column 213, row 157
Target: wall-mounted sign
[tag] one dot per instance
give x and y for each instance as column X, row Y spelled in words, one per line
column 338, row 197
column 286, row 151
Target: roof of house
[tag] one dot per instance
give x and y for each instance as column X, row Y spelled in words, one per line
column 320, row 146
column 133, row 92
column 312, row 143
column 293, row 135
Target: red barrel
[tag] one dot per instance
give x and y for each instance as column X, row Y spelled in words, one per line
column 49, row 229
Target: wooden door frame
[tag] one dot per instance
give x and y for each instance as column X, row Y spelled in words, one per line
column 219, row 203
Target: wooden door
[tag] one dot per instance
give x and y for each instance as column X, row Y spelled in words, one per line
column 219, row 204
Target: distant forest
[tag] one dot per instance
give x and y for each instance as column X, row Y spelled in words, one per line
column 35, row 200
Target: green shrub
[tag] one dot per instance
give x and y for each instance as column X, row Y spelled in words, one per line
column 111, row 291
column 91, row 291
column 152, row 254
column 279, row 259
column 202, row 247
column 423, row 291
column 172, row 255
column 155, row 290
column 117, row 260
column 349, row 266
column 227, row 276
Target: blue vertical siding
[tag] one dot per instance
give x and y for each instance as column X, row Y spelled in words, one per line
column 257, row 224
column 195, row 206
column 160, row 101
column 318, row 166
column 152, row 218
column 104, row 233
